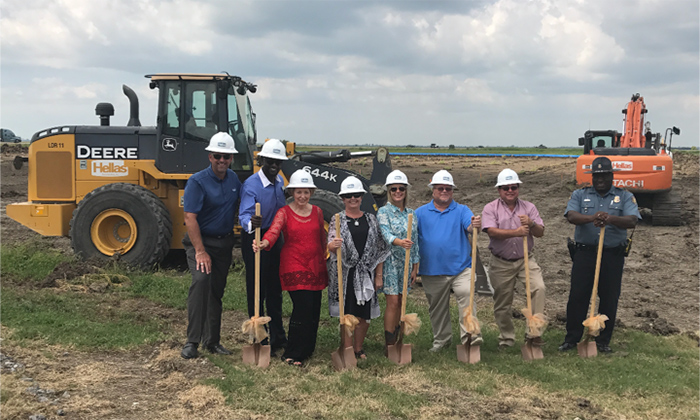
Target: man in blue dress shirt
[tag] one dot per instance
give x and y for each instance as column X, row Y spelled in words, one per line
column 590, row 209
column 210, row 201
column 267, row 188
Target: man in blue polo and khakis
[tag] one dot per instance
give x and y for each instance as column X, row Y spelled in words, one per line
column 210, row 201
column 444, row 229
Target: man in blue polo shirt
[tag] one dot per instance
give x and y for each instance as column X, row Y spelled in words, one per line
column 267, row 188
column 590, row 209
column 210, row 200
column 444, row 227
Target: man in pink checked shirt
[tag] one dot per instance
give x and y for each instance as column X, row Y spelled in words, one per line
column 507, row 220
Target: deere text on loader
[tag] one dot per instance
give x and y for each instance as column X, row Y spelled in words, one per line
column 643, row 160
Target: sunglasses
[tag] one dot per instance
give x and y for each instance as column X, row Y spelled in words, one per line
column 394, row 189
column 441, row 189
column 225, row 156
column 353, row 195
column 509, row 188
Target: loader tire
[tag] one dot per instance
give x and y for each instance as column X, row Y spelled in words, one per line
column 122, row 221
column 328, row 202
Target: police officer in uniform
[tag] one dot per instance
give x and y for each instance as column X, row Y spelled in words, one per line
column 590, row 209
column 210, row 202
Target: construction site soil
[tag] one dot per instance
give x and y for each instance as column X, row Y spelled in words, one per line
column 659, row 288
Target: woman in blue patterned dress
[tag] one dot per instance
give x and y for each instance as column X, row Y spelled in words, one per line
column 393, row 221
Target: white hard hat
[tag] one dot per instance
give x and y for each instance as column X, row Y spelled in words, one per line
column 351, row 185
column 274, row 149
column 396, row 177
column 221, row 143
column 507, row 177
column 442, row 177
column 301, row 179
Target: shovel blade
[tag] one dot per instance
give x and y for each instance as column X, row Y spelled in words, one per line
column 263, row 355
column 587, row 349
column 531, row 352
column 344, row 359
column 249, row 355
column 466, row 353
column 400, row 353
column 257, row 355
column 393, row 353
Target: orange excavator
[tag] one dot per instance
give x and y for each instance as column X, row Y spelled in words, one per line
column 643, row 160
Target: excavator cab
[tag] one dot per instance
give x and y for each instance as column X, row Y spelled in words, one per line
column 643, row 161
column 191, row 110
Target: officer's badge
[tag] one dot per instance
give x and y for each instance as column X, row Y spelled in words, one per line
column 617, row 199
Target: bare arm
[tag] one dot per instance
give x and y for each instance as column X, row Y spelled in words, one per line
column 202, row 258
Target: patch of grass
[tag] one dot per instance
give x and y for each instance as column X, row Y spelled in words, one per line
column 30, row 261
column 74, row 320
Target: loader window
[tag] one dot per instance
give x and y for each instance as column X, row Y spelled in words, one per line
column 602, row 141
column 172, row 110
column 239, row 125
column 200, row 111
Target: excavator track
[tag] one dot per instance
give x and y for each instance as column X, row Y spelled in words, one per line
column 666, row 210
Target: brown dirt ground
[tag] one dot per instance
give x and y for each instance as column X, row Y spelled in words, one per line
column 660, row 293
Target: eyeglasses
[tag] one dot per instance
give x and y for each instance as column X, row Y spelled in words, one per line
column 352, row 195
column 446, row 189
column 218, row 156
column 509, row 188
column 394, row 189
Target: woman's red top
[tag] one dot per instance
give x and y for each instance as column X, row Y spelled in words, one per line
column 303, row 256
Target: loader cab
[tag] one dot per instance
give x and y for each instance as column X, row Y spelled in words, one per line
column 191, row 109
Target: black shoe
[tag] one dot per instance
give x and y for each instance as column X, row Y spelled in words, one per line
column 567, row 346
column 189, row 351
column 604, row 348
column 218, row 349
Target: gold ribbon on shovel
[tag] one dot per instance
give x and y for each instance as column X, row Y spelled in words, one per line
column 349, row 322
column 538, row 322
column 411, row 323
column 255, row 327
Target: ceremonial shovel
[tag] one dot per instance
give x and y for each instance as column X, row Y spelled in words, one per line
column 344, row 357
column 467, row 353
column 529, row 351
column 401, row 353
column 256, row 354
column 587, row 348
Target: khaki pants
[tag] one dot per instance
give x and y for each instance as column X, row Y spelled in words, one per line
column 437, row 290
column 503, row 274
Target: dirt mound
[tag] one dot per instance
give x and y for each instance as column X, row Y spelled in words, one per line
column 13, row 149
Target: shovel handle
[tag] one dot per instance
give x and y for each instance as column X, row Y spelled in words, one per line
column 406, row 268
column 597, row 270
column 257, row 265
column 475, row 232
column 527, row 274
column 339, row 257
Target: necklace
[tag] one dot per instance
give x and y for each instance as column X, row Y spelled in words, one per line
column 357, row 221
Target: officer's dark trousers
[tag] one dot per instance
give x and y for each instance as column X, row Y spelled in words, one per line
column 207, row 290
column 303, row 324
column 609, row 284
column 270, row 287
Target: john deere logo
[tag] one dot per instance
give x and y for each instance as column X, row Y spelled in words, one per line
column 169, row 144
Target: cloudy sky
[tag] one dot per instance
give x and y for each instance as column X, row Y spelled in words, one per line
column 498, row 72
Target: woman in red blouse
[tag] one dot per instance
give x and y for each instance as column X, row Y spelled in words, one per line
column 302, row 264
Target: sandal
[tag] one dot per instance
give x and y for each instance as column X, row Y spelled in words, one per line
column 361, row 355
column 297, row 363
